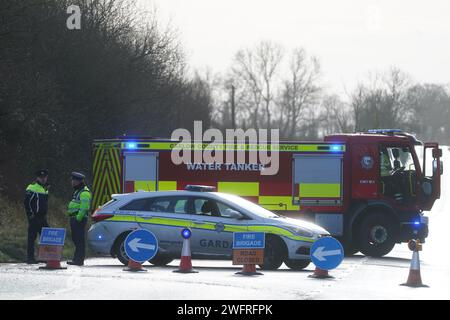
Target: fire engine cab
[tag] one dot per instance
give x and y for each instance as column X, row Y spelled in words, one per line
column 368, row 189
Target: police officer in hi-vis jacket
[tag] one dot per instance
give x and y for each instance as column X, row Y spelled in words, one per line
column 36, row 205
column 78, row 211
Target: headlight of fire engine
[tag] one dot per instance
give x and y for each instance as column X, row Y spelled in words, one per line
column 302, row 232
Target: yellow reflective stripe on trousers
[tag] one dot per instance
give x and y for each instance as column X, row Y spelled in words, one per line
column 244, row 189
column 319, row 190
column 210, row 226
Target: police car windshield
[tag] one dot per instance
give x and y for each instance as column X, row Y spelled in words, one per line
column 248, row 205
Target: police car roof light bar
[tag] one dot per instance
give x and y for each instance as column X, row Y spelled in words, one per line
column 198, row 188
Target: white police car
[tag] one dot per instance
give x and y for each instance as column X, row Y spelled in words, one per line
column 212, row 217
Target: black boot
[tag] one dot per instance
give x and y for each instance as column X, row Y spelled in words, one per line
column 75, row 263
column 32, row 261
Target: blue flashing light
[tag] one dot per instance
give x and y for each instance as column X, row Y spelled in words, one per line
column 198, row 188
column 416, row 223
column 381, row 131
column 131, row 145
column 186, row 233
column 336, row 147
column 99, row 237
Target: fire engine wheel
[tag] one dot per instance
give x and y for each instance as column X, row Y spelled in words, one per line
column 297, row 264
column 160, row 260
column 376, row 235
column 350, row 249
column 274, row 253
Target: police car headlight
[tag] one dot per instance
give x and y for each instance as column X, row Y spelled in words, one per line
column 302, row 232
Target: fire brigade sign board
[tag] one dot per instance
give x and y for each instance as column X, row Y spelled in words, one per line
column 51, row 243
column 248, row 248
column 327, row 253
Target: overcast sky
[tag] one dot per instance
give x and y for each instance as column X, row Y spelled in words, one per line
column 350, row 37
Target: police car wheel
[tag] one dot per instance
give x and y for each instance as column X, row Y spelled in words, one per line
column 297, row 264
column 273, row 254
column 376, row 235
column 120, row 248
column 160, row 260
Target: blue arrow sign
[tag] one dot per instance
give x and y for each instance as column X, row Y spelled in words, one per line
column 141, row 245
column 52, row 236
column 327, row 253
column 248, row 240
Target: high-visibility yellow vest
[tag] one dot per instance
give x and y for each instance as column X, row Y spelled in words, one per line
column 80, row 203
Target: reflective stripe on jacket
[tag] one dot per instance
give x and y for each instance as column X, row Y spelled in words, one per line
column 80, row 204
column 36, row 200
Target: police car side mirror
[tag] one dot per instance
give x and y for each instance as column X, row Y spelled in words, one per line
column 234, row 214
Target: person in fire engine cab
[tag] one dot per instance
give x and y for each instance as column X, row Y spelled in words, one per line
column 385, row 163
column 36, row 205
column 78, row 211
column 392, row 184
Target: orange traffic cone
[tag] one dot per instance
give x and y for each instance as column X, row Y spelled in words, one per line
column 414, row 278
column 320, row 274
column 186, row 263
column 134, row 266
column 52, row 265
column 249, row 270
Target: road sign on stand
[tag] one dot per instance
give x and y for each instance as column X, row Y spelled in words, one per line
column 327, row 253
column 52, row 236
column 51, row 244
column 248, row 250
column 249, row 240
column 141, row 245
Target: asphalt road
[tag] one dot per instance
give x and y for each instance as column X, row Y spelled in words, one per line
column 358, row 277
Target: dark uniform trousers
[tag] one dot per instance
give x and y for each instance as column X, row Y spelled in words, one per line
column 78, row 234
column 35, row 226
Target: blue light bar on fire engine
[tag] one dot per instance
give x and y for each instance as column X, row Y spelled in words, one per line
column 130, row 145
column 336, row 147
column 383, row 131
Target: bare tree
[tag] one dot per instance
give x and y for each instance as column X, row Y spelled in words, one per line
column 431, row 111
column 256, row 70
column 394, row 108
column 380, row 102
column 337, row 115
column 357, row 104
column 300, row 91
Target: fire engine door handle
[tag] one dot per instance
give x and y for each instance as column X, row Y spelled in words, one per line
column 198, row 222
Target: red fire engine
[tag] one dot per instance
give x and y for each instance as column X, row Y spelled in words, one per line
column 367, row 189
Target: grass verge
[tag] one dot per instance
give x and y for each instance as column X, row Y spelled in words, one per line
column 13, row 229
